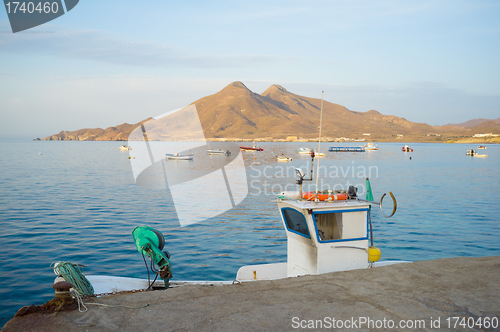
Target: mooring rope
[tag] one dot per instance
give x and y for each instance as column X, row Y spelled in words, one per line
column 73, row 273
column 81, row 304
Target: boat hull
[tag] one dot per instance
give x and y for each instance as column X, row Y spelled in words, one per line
column 244, row 148
column 276, row 271
column 111, row 284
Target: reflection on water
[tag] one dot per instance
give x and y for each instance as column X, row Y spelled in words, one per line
column 78, row 201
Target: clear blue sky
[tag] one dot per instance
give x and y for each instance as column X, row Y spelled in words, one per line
column 109, row 62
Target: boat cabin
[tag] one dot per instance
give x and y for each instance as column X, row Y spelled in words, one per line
column 325, row 236
column 322, row 237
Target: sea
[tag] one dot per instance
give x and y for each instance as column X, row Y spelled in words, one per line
column 79, row 202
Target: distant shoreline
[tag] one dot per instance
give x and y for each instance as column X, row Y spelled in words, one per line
column 494, row 140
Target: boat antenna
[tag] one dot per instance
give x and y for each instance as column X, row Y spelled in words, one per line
column 319, row 144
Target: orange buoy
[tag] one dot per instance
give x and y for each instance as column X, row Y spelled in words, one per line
column 311, row 196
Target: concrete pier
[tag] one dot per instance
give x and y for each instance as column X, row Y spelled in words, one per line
column 437, row 295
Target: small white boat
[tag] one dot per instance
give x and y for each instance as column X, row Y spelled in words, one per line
column 406, row 148
column 125, row 148
column 283, row 158
column 176, row 156
column 304, row 151
column 310, row 151
column 370, row 147
column 473, row 153
column 219, row 151
column 482, row 147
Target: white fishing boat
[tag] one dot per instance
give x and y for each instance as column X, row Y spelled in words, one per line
column 406, row 148
column 177, row 156
column 219, row 151
column 304, row 151
column 473, row 153
column 326, row 232
column 125, row 148
column 481, row 147
column 310, row 151
column 283, row 158
column 370, row 147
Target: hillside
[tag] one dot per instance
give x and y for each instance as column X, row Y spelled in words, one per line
column 471, row 123
column 235, row 112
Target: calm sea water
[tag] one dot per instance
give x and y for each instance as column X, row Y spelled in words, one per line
column 78, row 201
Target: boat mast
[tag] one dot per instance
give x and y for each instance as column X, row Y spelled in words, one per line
column 319, row 144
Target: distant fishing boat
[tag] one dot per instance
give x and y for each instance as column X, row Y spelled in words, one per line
column 220, row 152
column 406, row 148
column 304, row 151
column 125, row 148
column 370, row 147
column 176, row 156
column 251, row 149
column 473, row 153
column 347, row 149
column 283, row 158
column 482, row 147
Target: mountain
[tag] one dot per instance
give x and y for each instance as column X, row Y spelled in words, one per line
column 471, row 123
column 117, row 133
column 235, row 112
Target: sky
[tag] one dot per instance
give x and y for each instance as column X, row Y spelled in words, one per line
column 109, row 62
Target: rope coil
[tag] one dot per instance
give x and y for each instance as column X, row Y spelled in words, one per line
column 73, row 273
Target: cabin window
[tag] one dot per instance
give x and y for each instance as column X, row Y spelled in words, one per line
column 295, row 222
column 341, row 225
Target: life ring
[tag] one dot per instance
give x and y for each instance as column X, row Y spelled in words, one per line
column 311, row 196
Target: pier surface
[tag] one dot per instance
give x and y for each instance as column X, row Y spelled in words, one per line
column 435, row 295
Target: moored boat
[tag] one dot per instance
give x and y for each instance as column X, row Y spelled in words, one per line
column 310, row 151
column 177, row 156
column 347, row 149
column 219, row 151
column 473, row 153
column 304, row 151
column 251, row 149
column 482, row 147
column 326, row 232
column 283, row 158
column 370, row 147
column 125, row 148
column 406, row 148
